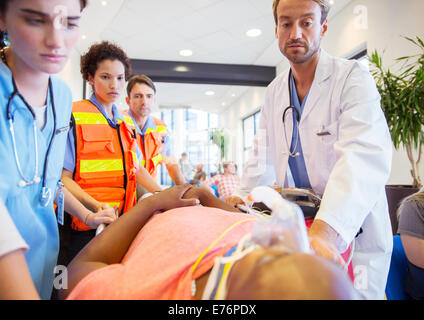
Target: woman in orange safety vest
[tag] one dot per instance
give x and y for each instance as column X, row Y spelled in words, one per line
column 102, row 161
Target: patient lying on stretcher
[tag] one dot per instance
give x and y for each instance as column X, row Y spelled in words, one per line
column 169, row 254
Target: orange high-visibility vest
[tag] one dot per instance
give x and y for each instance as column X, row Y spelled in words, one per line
column 151, row 147
column 106, row 161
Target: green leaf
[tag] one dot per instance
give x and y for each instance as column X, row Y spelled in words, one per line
column 402, row 95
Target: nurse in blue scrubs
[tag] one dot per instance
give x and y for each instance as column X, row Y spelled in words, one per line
column 35, row 110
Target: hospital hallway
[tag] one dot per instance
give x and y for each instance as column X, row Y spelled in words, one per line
column 258, row 155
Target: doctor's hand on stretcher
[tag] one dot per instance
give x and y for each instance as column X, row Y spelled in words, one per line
column 322, row 239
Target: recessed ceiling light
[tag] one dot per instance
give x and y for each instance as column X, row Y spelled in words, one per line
column 210, row 93
column 253, row 33
column 233, row 95
column 181, row 69
column 331, row 2
column 104, row 3
column 223, row 104
column 83, row 37
column 186, row 53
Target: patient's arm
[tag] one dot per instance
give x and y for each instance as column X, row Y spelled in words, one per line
column 111, row 245
column 208, row 199
column 99, row 252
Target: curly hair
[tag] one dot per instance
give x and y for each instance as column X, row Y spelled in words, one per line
column 103, row 51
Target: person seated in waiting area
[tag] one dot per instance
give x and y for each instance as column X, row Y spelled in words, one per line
column 198, row 179
column 185, row 166
column 226, row 183
column 411, row 230
column 199, row 176
column 165, row 242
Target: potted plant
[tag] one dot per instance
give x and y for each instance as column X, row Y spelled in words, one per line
column 402, row 101
column 220, row 138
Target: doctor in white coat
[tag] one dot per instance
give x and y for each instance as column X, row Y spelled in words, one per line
column 343, row 144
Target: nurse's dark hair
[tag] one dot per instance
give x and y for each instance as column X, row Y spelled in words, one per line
column 5, row 3
column 143, row 79
column 324, row 4
column 3, row 39
column 102, row 51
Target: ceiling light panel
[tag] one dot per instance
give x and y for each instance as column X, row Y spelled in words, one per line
column 253, row 33
column 186, row 53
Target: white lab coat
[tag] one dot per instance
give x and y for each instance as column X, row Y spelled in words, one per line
column 349, row 167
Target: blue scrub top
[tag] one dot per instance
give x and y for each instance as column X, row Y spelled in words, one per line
column 69, row 163
column 297, row 164
column 36, row 224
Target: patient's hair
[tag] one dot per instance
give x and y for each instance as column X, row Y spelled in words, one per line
column 290, row 277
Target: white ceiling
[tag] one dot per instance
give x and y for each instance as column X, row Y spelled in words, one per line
column 213, row 29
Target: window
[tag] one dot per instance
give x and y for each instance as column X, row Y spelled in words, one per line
column 169, row 118
column 188, row 131
column 250, row 127
column 198, row 145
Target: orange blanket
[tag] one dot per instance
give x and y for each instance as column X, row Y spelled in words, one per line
column 157, row 265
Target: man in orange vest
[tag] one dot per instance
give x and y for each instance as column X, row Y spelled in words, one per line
column 152, row 135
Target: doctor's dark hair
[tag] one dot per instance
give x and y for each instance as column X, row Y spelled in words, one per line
column 143, row 79
column 324, row 4
column 103, row 51
column 4, row 4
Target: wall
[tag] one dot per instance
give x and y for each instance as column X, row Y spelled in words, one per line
column 384, row 25
column 250, row 102
column 72, row 76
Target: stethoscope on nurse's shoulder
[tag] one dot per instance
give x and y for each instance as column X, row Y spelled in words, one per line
column 291, row 153
column 46, row 193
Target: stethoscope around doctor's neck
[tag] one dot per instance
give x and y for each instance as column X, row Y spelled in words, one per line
column 46, row 193
column 291, row 153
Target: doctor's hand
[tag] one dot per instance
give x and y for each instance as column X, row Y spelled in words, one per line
column 104, row 214
column 327, row 250
column 234, row 201
column 322, row 239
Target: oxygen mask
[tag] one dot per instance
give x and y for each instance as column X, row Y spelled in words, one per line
column 285, row 229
